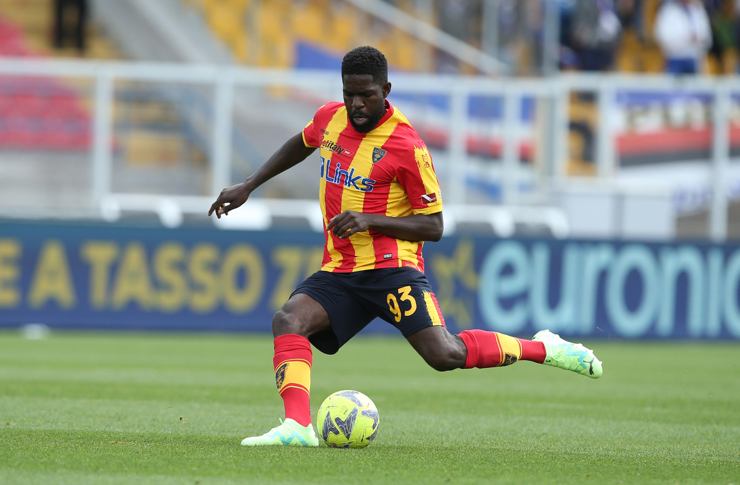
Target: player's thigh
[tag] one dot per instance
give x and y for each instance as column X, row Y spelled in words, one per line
column 346, row 314
column 302, row 315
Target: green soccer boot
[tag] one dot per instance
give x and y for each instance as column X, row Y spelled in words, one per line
column 569, row 356
column 289, row 433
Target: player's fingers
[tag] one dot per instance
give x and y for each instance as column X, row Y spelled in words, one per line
column 222, row 209
column 335, row 221
column 345, row 230
column 214, row 208
column 338, row 228
column 225, row 208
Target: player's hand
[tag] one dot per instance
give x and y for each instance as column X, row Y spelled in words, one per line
column 229, row 199
column 347, row 223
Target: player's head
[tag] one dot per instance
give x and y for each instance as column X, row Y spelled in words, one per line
column 365, row 85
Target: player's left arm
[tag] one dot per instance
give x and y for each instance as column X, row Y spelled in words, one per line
column 417, row 227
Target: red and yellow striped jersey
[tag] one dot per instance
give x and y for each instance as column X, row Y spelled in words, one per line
column 385, row 171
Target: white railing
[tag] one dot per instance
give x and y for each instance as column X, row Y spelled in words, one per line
column 548, row 173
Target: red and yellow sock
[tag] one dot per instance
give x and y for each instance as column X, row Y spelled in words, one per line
column 292, row 363
column 493, row 349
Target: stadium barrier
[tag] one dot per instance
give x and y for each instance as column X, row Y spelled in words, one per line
column 494, row 141
column 100, row 276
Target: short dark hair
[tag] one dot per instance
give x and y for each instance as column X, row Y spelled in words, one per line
column 366, row 60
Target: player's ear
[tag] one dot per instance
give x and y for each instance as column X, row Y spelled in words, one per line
column 386, row 89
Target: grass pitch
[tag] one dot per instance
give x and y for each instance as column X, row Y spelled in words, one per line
column 131, row 408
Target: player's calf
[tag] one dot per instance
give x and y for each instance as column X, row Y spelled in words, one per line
column 492, row 349
column 441, row 350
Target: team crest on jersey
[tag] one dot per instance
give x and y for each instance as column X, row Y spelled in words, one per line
column 378, row 154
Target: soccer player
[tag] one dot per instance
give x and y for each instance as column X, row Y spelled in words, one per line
column 380, row 200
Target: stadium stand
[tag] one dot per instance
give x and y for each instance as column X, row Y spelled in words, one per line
column 38, row 112
column 54, row 114
column 33, row 20
column 280, row 33
column 160, row 126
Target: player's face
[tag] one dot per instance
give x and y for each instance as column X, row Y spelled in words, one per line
column 365, row 100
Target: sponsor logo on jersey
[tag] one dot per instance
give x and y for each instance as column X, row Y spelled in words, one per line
column 429, row 198
column 378, row 154
column 333, row 147
column 340, row 176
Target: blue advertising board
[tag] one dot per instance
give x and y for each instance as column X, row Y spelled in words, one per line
column 107, row 276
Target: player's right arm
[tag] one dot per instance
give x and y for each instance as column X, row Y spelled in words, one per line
column 291, row 153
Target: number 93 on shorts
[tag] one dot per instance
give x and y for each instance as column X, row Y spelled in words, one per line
column 400, row 296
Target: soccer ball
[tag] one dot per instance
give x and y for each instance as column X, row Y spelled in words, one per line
column 347, row 419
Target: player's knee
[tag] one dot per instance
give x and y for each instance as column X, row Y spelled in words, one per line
column 284, row 322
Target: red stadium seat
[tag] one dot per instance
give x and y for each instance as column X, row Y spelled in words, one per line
column 37, row 112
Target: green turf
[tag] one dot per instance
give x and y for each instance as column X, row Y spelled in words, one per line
column 129, row 408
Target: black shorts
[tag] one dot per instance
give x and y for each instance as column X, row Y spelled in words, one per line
column 400, row 296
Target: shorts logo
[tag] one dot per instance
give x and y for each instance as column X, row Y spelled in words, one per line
column 280, row 374
column 378, row 154
column 429, row 198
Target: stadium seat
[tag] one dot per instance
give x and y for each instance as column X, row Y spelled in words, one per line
column 308, row 23
column 38, row 113
column 223, row 20
column 329, row 26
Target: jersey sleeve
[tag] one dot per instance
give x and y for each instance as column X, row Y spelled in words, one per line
column 313, row 132
column 310, row 135
column 417, row 176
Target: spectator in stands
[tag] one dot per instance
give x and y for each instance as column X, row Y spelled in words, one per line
column 594, row 34
column 568, row 59
column 721, row 19
column 736, row 17
column 631, row 16
column 683, row 32
column 455, row 18
column 63, row 29
column 508, row 29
